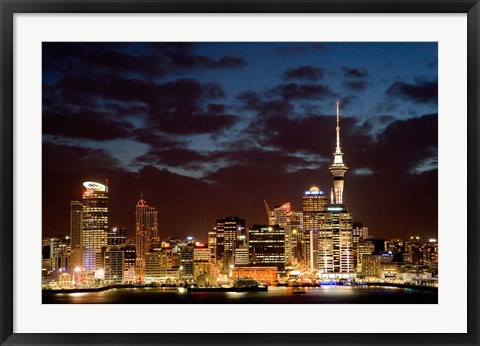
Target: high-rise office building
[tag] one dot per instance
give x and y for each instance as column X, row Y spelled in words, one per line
column 146, row 231
column 228, row 229
column 212, row 243
column 297, row 235
column 314, row 203
column 76, row 226
column 335, row 241
column 266, row 245
column 114, row 264
column 95, row 223
column 282, row 215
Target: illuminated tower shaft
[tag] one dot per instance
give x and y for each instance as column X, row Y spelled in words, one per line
column 94, row 224
column 338, row 168
column 146, row 231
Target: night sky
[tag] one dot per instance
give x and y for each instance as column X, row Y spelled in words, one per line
column 209, row 130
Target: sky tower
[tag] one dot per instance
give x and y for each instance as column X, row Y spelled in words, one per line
column 338, row 168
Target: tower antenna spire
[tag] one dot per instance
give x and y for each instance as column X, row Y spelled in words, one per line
column 337, row 148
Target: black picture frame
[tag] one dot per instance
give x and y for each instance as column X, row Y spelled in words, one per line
column 10, row 7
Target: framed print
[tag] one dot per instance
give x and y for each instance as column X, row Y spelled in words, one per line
column 250, row 173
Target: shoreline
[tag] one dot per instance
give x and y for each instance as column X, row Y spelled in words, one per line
column 199, row 289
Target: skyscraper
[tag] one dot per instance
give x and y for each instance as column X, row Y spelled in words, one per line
column 146, row 231
column 227, row 231
column 335, row 241
column 267, row 246
column 314, row 203
column 281, row 216
column 76, row 226
column 95, row 223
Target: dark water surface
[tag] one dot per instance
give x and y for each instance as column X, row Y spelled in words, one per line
column 275, row 295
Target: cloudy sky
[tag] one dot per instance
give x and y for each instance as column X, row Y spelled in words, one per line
column 208, row 130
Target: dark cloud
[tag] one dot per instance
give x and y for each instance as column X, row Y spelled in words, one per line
column 145, row 60
column 354, row 72
column 172, row 157
column 307, row 73
column 177, row 107
column 382, row 107
column 146, row 93
column 155, row 138
column 409, row 141
column 87, row 125
column 355, row 85
column 299, row 49
column 347, row 102
column 73, row 158
column 303, row 91
column 250, row 100
column 418, row 92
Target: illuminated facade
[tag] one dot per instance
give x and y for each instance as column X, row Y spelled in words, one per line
column 146, row 231
column 335, row 241
column 116, row 237
column 281, row 216
column 267, row 246
column 228, row 230
column 363, row 248
column 76, row 225
column 314, row 204
column 95, row 223
column 114, row 265
column 297, row 235
column 262, row 274
column 212, row 243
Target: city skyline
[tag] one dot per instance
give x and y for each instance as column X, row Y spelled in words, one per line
column 221, row 148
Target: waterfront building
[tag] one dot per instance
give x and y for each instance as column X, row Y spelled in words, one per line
column 59, row 253
column 114, row 265
column 314, row 204
column 146, row 232
column 263, row 274
column 129, row 259
column 267, row 246
column 201, row 268
column 363, row 248
column 76, row 225
column 186, row 260
column 156, row 264
column 95, row 223
column 370, row 266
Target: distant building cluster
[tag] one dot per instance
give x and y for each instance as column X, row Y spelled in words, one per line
column 321, row 242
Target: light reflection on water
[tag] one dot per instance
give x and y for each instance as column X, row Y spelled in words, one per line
column 275, row 295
